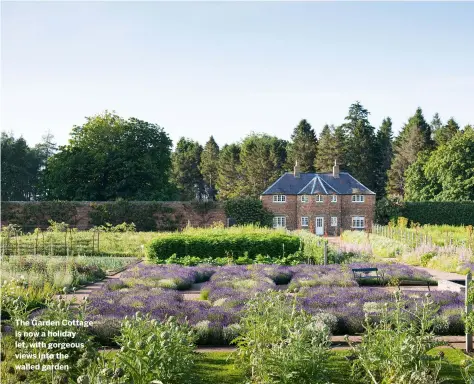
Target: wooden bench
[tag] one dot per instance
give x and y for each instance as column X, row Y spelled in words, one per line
column 414, row 283
column 365, row 273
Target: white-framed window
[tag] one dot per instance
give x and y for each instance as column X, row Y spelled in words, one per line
column 304, row 198
column 334, row 221
column 334, row 199
column 358, row 222
column 318, row 198
column 304, row 221
column 358, row 198
column 279, row 198
column 279, row 222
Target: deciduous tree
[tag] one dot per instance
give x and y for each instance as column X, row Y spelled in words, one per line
column 186, row 175
column 108, row 158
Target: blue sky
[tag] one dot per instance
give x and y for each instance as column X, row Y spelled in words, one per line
column 231, row 68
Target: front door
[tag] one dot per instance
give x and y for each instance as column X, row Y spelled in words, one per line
column 319, row 225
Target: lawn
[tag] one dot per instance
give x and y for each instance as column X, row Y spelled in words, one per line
column 218, row 367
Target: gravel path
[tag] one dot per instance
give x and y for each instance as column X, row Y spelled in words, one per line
column 84, row 292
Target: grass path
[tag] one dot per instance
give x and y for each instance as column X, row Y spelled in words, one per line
column 218, row 368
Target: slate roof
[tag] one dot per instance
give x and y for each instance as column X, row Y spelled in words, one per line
column 317, row 184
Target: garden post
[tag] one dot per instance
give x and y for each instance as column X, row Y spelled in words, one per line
column 325, row 253
column 468, row 311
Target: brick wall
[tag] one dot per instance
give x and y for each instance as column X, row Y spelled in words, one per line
column 287, row 209
column 350, row 209
column 182, row 211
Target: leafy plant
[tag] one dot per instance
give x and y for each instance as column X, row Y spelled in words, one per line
column 151, row 352
column 280, row 343
column 394, row 349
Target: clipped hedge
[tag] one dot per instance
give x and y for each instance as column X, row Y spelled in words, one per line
column 215, row 244
column 247, row 210
column 439, row 212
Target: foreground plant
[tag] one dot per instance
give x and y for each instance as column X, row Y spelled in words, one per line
column 151, row 352
column 394, row 349
column 280, row 343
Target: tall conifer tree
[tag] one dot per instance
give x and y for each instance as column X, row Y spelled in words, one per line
column 302, row 147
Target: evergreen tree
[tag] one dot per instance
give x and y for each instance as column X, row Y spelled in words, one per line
column 406, row 152
column 339, row 146
column 324, row 157
column 229, row 178
column 331, row 146
column 302, row 147
column 419, row 120
column 20, row 169
column 46, row 148
column 445, row 133
column 262, row 158
column 436, row 124
column 186, row 174
column 209, row 162
column 360, row 159
column 384, row 154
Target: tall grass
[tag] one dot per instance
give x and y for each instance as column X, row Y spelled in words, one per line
column 450, row 258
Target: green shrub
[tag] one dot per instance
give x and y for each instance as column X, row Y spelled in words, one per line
column 440, row 212
column 247, row 210
column 425, row 258
column 214, row 243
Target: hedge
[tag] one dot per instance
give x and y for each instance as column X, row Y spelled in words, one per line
column 437, row 212
column 247, row 210
column 220, row 244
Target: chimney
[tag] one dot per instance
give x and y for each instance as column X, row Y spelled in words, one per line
column 335, row 170
column 296, row 170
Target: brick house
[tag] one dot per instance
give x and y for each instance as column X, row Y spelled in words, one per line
column 324, row 203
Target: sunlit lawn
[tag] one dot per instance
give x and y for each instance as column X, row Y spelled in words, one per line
column 218, row 368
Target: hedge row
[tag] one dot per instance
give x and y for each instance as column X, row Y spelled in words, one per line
column 216, row 245
column 434, row 212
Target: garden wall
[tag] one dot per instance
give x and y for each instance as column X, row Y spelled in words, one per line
column 147, row 216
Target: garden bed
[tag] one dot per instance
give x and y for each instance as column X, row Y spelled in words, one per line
column 158, row 290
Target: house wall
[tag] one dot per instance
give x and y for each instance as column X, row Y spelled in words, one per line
column 287, row 209
column 343, row 209
column 366, row 209
column 325, row 209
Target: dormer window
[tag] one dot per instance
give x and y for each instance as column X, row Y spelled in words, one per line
column 318, row 198
column 279, row 198
column 304, row 198
column 358, row 198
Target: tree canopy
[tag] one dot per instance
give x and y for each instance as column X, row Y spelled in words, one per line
column 108, row 158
